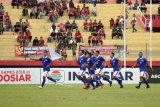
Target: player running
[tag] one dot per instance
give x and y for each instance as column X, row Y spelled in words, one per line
column 46, row 62
column 142, row 62
column 82, row 62
column 99, row 69
column 91, row 70
column 114, row 63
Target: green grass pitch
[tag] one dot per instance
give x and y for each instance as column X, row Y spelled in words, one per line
column 76, row 96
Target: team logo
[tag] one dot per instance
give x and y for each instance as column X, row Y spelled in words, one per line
column 56, row 75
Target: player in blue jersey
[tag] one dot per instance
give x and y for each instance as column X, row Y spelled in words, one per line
column 142, row 62
column 91, row 70
column 116, row 70
column 82, row 60
column 99, row 69
column 46, row 62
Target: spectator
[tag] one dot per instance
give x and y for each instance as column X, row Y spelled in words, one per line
column 34, row 13
column 129, row 4
column 28, row 34
column 6, row 17
column 102, row 32
column 1, row 9
column 95, row 32
column 25, row 27
column 95, row 25
column 136, row 4
column 68, row 25
column 53, row 36
column 64, row 54
column 90, row 25
column 99, row 40
column 21, row 23
column 133, row 23
column 78, row 36
column 111, row 21
column 17, row 27
column 20, row 38
column 25, row 12
column 15, row 3
column 90, row 40
column 1, row 29
column 78, row 12
column 85, row 25
column 143, row 7
column 99, row 25
column 8, row 24
column 73, row 53
column 35, row 42
column 27, row 23
column 71, row 13
column 53, row 27
column 74, row 25
column 41, row 41
column 119, row 33
column 71, row 4
column 69, row 34
column 94, row 10
column 114, row 32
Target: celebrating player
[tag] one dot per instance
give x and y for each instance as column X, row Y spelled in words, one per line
column 46, row 62
column 114, row 62
column 82, row 62
column 91, row 71
column 142, row 62
column 99, row 69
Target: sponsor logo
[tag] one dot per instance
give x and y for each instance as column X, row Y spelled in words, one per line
column 155, row 76
column 56, row 75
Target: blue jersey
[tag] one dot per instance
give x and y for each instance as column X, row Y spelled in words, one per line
column 142, row 64
column 46, row 63
column 82, row 60
column 90, row 63
column 114, row 63
column 100, row 61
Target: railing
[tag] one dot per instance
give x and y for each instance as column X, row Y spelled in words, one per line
column 142, row 17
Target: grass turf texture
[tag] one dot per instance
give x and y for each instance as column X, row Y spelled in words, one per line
column 75, row 96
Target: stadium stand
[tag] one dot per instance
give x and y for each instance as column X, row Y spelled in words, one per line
column 41, row 28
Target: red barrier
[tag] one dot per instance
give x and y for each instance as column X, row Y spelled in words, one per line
column 55, row 63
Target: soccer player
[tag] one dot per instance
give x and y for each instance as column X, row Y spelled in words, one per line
column 82, row 62
column 99, row 69
column 91, row 71
column 114, row 63
column 142, row 62
column 46, row 62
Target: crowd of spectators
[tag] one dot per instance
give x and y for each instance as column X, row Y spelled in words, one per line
column 1, row 18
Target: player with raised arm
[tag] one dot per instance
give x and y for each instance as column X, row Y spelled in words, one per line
column 99, row 69
column 116, row 70
column 82, row 60
column 46, row 62
column 142, row 62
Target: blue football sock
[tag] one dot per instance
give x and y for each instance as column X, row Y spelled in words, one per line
column 106, row 79
column 146, row 82
column 91, row 82
column 139, row 85
column 51, row 79
column 118, row 80
column 83, row 80
column 43, row 81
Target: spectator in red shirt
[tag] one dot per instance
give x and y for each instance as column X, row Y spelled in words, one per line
column 102, row 32
column 20, row 38
column 100, row 25
column 90, row 25
column 28, row 33
column 6, row 17
column 90, row 38
column 78, row 36
column 111, row 21
column 41, row 41
column 61, row 27
column 129, row 4
column 85, row 25
column 117, row 22
column 71, row 13
column 99, row 40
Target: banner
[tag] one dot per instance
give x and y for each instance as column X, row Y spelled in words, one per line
column 154, row 76
column 105, row 50
column 69, row 75
column 35, row 51
column 19, row 75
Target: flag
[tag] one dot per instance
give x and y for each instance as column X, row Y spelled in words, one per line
column 53, row 54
